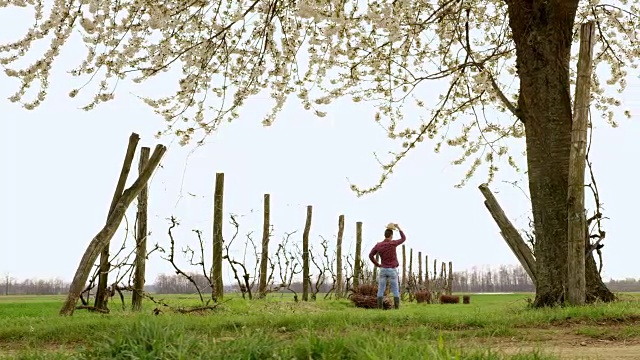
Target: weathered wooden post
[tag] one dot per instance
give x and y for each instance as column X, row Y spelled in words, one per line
column 104, row 236
column 141, row 236
column 339, row 277
column 420, row 268
column 305, row 255
column 217, row 290
column 375, row 269
column 404, row 267
column 426, row 272
column 264, row 256
column 450, row 282
column 577, row 223
column 357, row 267
column 103, row 275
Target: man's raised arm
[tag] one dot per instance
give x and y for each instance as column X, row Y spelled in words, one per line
column 403, row 238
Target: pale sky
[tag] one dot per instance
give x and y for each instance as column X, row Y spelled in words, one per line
column 60, row 166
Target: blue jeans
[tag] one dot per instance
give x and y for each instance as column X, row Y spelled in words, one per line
column 388, row 275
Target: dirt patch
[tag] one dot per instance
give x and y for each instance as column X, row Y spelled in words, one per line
column 564, row 343
column 623, row 320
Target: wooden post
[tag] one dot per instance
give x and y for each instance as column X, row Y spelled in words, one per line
column 104, row 236
column 450, row 281
column 305, row 255
column 217, row 289
column 264, row 256
column 410, row 274
column 375, row 269
column 358, row 261
column 510, row 233
column 103, row 276
column 141, row 236
column 576, row 283
column 339, row 280
column 443, row 276
column 404, row 267
column 426, row 272
column 436, row 281
column 420, row 268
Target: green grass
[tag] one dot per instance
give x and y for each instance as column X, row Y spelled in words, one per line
column 278, row 328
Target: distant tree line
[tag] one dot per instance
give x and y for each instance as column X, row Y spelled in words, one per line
column 505, row 278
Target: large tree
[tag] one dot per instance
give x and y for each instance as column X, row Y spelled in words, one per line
column 383, row 52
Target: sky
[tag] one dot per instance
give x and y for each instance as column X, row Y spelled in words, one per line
column 60, row 165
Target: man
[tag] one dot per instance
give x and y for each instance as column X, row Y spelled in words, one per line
column 388, row 265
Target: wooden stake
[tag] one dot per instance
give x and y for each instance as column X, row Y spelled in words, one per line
column 141, row 236
column 577, row 223
column 103, row 276
column 426, row 272
column 450, row 281
column 339, row 278
column 217, row 289
column 264, row 256
column 420, row 268
column 305, row 255
column 404, row 267
column 104, row 236
column 358, row 261
column 510, row 233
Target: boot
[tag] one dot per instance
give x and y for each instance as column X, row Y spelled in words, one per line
column 396, row 303
column 380, row 303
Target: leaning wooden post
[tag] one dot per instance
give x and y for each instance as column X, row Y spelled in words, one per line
column 305, row 255
column 450, row 282
column 103, row 275
column 264, row 256
column 509, row 233
column 339, row 285
column 576, row 283
column 357, row 267
column 217, row 289
column 141, row 236
column 420, row 268
column 104, row 236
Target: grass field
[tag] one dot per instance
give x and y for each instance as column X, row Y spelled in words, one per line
column 491, row 327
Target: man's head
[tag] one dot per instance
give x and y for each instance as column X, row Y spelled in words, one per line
column 388, row 233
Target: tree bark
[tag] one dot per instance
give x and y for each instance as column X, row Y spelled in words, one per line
column 103, row 276
column 264, row 256
column 104, row 236
column 339, row 280
column 577, row 230
column 141, row 236
column 305, row 255
column 542, row 33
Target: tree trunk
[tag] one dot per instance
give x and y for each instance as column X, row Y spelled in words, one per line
column 542, row 32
